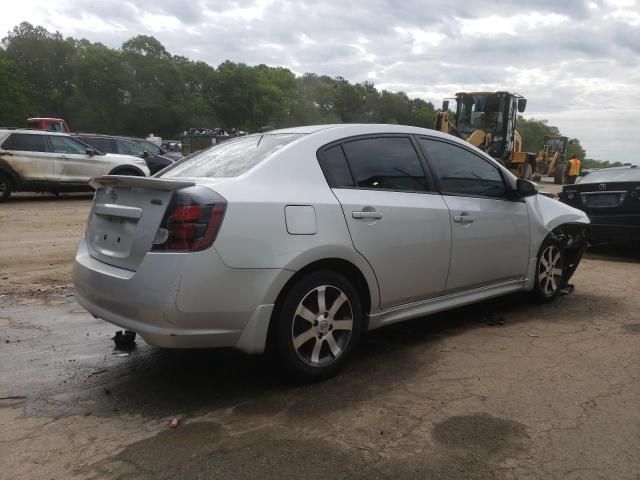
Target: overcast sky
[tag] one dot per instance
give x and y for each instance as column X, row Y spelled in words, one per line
column 577, row 62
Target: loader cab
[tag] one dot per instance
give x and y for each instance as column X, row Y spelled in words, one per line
column 493, row 113
column 556, row 144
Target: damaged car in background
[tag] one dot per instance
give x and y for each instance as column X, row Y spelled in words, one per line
column 41, row 161
column 297, row 241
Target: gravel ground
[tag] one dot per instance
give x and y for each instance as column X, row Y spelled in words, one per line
column 500, row 390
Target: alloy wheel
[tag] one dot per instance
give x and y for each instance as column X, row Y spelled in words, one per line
column 322, row 326
column 550, row 270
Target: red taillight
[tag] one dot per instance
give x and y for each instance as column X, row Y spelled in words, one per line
column 192, row 221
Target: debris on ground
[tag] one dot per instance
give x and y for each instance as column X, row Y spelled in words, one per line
column 125, row 340
column 493, row 320
column 174, row 422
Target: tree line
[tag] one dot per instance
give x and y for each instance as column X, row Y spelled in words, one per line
column 141, row 88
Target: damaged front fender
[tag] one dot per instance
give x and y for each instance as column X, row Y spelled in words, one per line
column 567, row 224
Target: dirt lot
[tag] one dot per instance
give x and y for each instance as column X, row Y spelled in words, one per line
column 525, row 392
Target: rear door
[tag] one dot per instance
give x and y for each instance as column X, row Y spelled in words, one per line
column 396, row 221
column 27, row 155
column 72, row 163
column 490, row 232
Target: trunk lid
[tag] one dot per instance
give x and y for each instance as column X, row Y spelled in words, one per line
column 125, row 217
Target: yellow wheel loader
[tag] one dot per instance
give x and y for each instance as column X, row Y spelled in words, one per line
column 487, row 120
column 552, row 159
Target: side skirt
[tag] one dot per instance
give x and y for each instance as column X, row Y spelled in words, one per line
column 445, row 302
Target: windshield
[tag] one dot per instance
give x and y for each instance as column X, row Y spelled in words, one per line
column 230, row 158
column 555, row 144
column 631, row 174
column 484, row 112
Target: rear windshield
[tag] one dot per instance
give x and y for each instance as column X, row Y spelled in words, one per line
column 231, row 158
column 613, row 175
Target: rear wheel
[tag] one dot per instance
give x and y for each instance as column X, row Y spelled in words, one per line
column 128, row 171
column 5, row 187
column 550, row 271
column 317, row 325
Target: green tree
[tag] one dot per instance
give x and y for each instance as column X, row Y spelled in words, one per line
column 14, row 95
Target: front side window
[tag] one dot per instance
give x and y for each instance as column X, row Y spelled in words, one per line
column 104, row 145
column 67, row 145
column 385, row 163
column 462, row 172
column 25, row 142
column 232, row 157
column 129, row 148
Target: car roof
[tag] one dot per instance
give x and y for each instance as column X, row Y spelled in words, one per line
column 359, row 128
column 32, row 131
column 46, row 118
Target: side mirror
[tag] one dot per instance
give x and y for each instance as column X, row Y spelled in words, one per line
column 522, row 104
column 145, row 154
column 445, row 105
column 91, row 152
column 525, row 188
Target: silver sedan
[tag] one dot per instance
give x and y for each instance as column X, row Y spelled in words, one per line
column 299, row 240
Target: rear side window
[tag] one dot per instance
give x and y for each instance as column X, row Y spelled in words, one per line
column 335, row 168
column 231, row 158
column 462, row 172
column 25, row 142
column 385, row 163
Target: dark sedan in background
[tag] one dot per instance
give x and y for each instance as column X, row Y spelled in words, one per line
column 611, row 199
column 125, row 146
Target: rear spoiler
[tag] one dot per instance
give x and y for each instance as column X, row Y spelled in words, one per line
column 140, row 182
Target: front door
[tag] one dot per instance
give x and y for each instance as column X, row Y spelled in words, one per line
column 490, row 231
column 72, row 164
column 395, row 220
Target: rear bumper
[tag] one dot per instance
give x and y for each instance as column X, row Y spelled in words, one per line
column 182, row 300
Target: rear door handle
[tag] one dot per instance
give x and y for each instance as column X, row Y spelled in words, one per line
column 463, row 218
column 371, row 215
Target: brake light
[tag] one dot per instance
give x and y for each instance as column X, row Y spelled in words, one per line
column 191, row 222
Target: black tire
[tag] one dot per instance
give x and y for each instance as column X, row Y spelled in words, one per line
column 328, row 330
column 559, row 175
column 549, row 281
column 128, row 171
column 5, row 187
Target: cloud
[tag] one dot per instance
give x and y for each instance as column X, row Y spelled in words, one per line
column 576, row 61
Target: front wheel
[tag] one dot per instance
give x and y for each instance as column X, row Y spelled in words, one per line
column 317, row 325
column 5, row 187
column 550, row 271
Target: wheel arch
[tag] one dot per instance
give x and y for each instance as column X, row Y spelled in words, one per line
column 126, row 168
column 367, row 292
column 12, row 176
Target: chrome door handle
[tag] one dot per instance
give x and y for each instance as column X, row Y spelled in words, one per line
column 371, row 215
column 463, row 219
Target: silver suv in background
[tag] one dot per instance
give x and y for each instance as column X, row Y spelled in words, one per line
column 298, row 240
column 39, row 161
